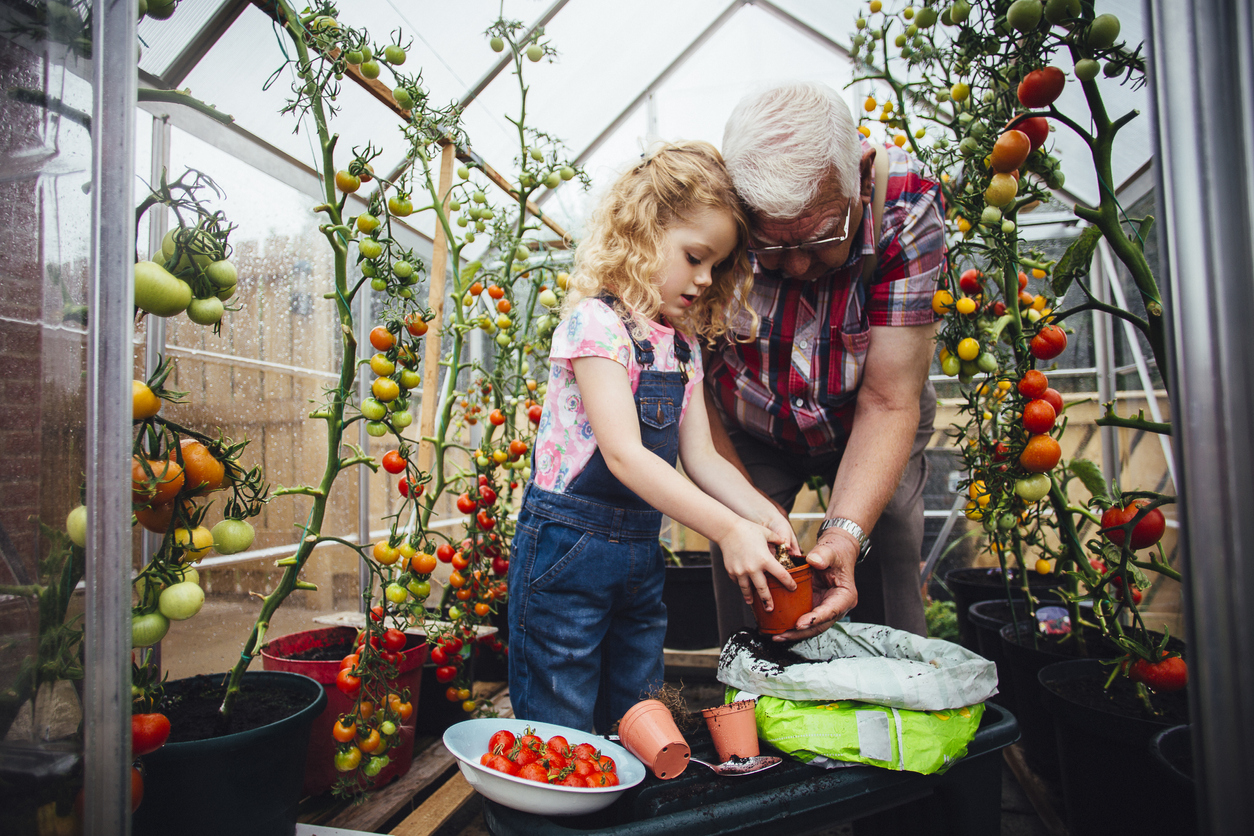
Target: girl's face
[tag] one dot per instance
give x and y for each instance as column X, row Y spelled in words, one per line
column 691, row 249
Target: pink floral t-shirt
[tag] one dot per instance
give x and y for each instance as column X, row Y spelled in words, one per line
column 565, row 441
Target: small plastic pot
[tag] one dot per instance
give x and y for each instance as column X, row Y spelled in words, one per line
column 734, row 728
column 789, row 606
column 649, row 732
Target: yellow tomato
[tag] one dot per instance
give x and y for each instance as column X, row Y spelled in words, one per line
column 144, row 404
column 385, row 554
column 381, row 365
column 960, row 91
column 973, row 512
column 900, row 140
column 966, row 305
column 942, row 302
column 196, row 542
column 385, row 389
column 964, row 225
column 978, row 491
column 1039, row 302
column 1001, row 190
column 1042, row 566
column 968, row 349
column 869, row 104
column 864, row 130
column 1038, row 273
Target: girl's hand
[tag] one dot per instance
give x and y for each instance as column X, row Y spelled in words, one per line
column 749, row 556
column 782, row 532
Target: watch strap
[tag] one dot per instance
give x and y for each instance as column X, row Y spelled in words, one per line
column 864, row 542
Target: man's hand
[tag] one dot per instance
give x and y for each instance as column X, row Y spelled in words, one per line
column 832, row 561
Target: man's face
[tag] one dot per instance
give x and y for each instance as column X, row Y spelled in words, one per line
column 825, row 218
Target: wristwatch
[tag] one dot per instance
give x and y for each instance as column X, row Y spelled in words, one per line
column 864, row 542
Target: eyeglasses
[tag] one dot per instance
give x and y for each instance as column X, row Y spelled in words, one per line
column 805, row 246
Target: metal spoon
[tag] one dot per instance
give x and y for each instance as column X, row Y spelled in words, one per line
column 742, row 766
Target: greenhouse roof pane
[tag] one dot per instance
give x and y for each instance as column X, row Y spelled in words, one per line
column 233, row 77
column 163, row 41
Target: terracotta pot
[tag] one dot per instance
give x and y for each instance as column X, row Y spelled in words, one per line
column 649, row 732
column 734, row 728
column 789, row 606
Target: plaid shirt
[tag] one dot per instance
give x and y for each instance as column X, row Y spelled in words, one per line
column 794, row 382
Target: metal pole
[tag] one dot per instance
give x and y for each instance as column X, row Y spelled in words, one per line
column 1104, row 359
column 364, row 318
column 106, row 625
column 1202, row 76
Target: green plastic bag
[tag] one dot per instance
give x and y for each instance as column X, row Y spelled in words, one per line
column 848, row 730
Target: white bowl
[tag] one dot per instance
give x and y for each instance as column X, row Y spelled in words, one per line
column 468, row 740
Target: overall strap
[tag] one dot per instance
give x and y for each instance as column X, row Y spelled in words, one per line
column 644, row 348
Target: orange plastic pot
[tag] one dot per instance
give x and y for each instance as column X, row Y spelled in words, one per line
column 734, row 728
column 649, row 732
column 789, row 606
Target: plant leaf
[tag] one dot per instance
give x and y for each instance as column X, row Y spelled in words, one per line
column 1075, row 261
column 1091, row 475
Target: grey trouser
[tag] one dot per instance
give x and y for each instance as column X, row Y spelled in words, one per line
column 888, row 580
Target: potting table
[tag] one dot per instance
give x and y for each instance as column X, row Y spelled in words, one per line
column 796, row 798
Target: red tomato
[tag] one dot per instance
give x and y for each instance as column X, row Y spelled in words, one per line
column 348, row 684
column 970, row 282
column 585, row 751
column 1054, row 398
column 534, row 412
column 497, row 417
column 1033, row 384
column 486, row 521
column 349, row 662
column 445, row 673
column 465, row 504
column 1039, row 416
column 487, row 497
column 1037, row 129
column 560, row 745
column 517, row 448
column 1116, row 584
column 1171, row 674
column 602, row 779
column 1146, row 533
column 1048, row 343
column 502, row 742
column 394, row 640
column 149, row 732
column 444, row 553
column 393, row 462
column 416, row 325
column 496, row 291
column 376, row 613
column 1040, row 88
column 533, row 772
column 1023, row 282
column 502, row 764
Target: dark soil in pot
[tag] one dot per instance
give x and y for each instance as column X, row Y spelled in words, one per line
column 1104, row 737
column 971, row 584
column 192, row 706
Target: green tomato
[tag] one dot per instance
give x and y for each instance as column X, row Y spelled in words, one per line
column 419, row 589
column 180, row 601
column 222, row 274
column 376, row 429
column 503, row 340
column 535, row 52
column 76, row 526
column 354, row 56
column 951, row 365
column 553, row 180
column 1056, row 11
column 378, row 285
column 960, row 11
column 402, row 269
column 566, row 173
column 370, row 248
column 483, row 461
column 396, row 593
column 1032, row 488
column 463, row 172
column 346, row 760
column 206, row 311
column 991, row 215
column 1024, row 15
column 373, row 410
column 454, row 613
column 497, row 44
column 148, row 629
column 1103, row 31
column 370, row 69
column 369, row 270
column 987, row 362
column 232, row 536
column 537, row 154
column 375, row 765
column 158, row 292
column 1007, row 521
column 548, row 298
column 387, row 728
column 394, row 55
column 1086, row 69
column 479, row 197
column 410, row 379
column 402, row 419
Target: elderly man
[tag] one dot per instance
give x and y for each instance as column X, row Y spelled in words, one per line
column 831, row 378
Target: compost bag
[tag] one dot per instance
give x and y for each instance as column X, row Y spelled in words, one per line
column 862, row 693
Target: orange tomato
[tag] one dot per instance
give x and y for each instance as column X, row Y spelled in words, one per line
column 1041, row 454
column 342, row 732
column 1010, row 150
column 381, row 338
column 200, row 467
column 166, row 481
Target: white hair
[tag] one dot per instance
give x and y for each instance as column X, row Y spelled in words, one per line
column 781, row 142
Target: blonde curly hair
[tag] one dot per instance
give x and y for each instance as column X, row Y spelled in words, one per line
column 622, row 250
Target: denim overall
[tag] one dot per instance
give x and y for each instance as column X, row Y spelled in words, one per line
column 586, row 617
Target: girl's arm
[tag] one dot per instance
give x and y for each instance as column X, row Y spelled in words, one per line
column 611, row 410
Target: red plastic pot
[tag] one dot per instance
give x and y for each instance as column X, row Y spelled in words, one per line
column 320, row 774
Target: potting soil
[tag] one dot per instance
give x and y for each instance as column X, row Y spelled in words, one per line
column 192, row 706
column 1122, row 698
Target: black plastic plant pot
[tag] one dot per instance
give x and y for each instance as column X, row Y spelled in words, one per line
column 1172, row 750
column 245, row 784
column 973, row 583
column 1102, row 752
column 986, row 619
column 691, row 618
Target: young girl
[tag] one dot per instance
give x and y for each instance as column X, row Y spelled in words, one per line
column 662, row 264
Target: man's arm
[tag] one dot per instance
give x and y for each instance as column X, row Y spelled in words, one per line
column 885, row 422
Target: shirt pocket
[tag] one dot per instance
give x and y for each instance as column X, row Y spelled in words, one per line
column 658, row 413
